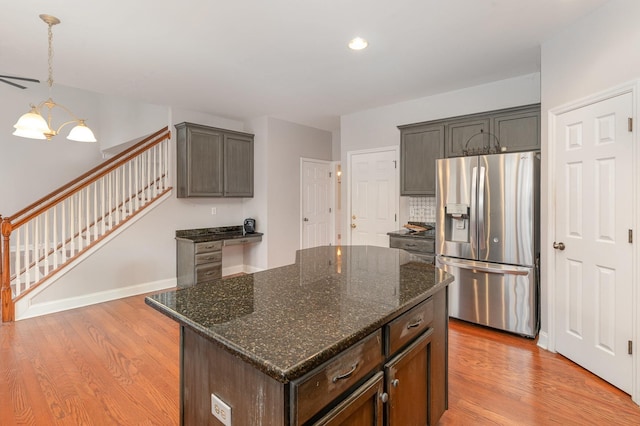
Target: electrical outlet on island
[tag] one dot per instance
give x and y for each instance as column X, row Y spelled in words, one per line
column 220, row 410
column 214, row 210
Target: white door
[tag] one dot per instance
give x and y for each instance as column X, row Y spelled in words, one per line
column 594, row 206
column 316, row 203
column 374, row 197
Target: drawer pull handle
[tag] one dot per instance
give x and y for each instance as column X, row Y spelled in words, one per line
column 209, row 273
column 414, row 324
column 411, row 245
column 347, row 374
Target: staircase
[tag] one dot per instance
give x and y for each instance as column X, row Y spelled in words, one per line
column 43, row 240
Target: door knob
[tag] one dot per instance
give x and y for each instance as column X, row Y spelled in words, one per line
column 353, row 217
column 353, row 225
column 306, row 219
column 558, row 246
column 395, row 383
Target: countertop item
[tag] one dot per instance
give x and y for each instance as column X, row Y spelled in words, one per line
column 286, row 321
column 430, row 233
column 220, row 233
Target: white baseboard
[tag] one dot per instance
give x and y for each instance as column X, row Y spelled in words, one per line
column 25, row 309
column 251, row 269
column 543, row 340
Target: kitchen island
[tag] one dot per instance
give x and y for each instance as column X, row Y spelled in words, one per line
column 351, row 333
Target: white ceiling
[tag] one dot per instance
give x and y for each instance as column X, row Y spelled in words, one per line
column 283, row 58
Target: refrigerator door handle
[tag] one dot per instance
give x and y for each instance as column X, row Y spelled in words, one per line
column 481, row 223
column 472, row 213
column 476, row 266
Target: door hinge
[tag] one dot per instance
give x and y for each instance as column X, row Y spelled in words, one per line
column 630, row 124
column 630, row 347
column 395, row 217
column 630, row 236
column 330, row 174
column 395, row 164
column 329, row 209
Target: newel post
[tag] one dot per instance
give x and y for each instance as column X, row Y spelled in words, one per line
column 5, row 272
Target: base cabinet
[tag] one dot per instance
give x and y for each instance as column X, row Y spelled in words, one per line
column 396, row 376
column 407, row 381
column 363, row 407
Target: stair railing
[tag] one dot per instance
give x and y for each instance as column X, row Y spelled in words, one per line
column 39, row 240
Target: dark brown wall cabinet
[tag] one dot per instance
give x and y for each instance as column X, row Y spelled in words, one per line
column 213, row 162
column 512, row 129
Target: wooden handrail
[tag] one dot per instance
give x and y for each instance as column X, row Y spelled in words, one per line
column 14, row 223
column 47, row 201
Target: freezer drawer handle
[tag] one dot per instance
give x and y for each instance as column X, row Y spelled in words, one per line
column 481, row 268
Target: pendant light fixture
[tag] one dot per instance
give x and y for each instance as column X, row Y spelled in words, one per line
column 32, row 125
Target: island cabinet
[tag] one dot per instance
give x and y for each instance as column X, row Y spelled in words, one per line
column 213, row 162
column 313, row 345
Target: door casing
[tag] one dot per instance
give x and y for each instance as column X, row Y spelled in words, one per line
column 548, row 339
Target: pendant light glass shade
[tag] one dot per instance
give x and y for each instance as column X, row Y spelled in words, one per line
column 32, row 121
column 81, row 133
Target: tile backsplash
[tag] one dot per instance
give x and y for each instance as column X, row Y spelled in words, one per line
column 422, row 209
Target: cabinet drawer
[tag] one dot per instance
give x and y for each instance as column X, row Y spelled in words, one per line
column 208, row 272
column 211, row 257
column 408, row 326
column 208, row 246
column 317, row 389
column 413, row 244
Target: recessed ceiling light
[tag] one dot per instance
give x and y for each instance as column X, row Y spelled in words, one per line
column 358, row 43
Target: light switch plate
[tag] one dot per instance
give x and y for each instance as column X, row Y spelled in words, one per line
column 220, row 410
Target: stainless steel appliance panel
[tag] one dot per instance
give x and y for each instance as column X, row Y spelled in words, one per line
column 499, row 296
column 508, row 208
column 456, row 207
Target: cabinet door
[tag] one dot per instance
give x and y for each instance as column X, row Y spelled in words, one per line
column 419, row 149
column 518, row 131
column 204, row 150
column 407, row 380
column 467, row 135
column 238, row 166
column 362, row 408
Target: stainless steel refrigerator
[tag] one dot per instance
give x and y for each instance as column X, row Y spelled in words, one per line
column 487, row 236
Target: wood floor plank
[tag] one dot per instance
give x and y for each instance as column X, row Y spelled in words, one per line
column 499, row 378
column 116, row 363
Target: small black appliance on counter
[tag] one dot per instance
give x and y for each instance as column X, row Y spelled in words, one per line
column 249, row 226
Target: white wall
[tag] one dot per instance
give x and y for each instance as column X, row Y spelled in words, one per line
column 287, row 143
column 377, row 127
column 29, row 168
column 597, row 53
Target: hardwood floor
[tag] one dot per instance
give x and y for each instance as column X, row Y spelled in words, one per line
column 500, row 379
column 116, row 363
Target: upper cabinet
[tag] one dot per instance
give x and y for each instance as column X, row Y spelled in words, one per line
column 420, row 146
column 513, row 129
column 213, row 162
column 507, row 130
column 464, row 134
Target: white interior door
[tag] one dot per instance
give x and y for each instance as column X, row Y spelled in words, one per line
column 316, row 203
column 593, row 216
column 373, row 196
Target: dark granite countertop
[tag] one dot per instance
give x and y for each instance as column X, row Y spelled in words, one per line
column 220, row 233
column 286, row 321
